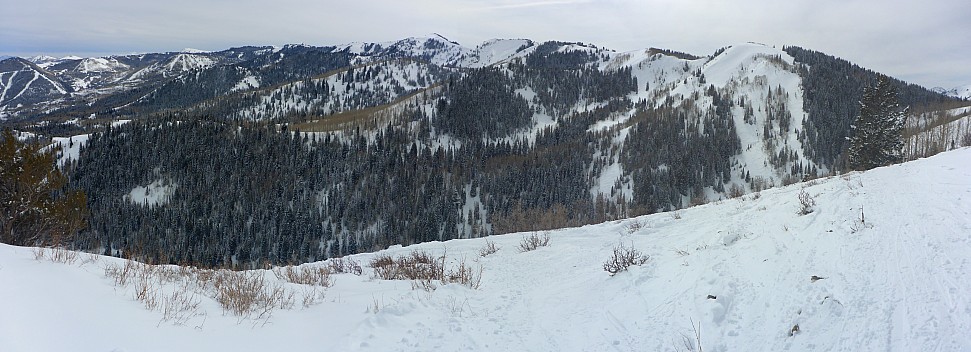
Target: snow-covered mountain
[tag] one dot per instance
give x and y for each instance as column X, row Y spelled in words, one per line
column 880, row 263
column 25, row 83
column 963, row 92
column 175, row 66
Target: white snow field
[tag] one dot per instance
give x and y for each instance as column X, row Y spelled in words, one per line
column 900, row 280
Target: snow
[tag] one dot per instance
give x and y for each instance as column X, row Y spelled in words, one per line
column 402, row 74
column 495, row 51
column 100, row 64
column 177, row 65
column 70, row 147
column 248, row 82
column 445, row 52
column 963, row 92
column 732, row 62
column 156, row 193
column 896, row 282
column 188, row 62
column 6, row 86
column 7, row 95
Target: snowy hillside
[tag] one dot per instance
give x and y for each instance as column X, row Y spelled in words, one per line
column 963, row 92
column 174, row 66
column 880, row 263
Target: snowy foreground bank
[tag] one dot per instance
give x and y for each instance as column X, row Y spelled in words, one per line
column 753, row 273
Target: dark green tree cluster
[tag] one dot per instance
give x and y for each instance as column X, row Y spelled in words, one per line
column 483, row 104
column 876, row 138
column 248, row 195
column 675, row 151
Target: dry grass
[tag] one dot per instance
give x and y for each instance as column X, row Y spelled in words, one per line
column 56, row 255
column 424, row 270
column 176, row 291
column 314, row 276
column 311, row 296
column 177, row 304
column 418, row 265
column 245, row 293
column 181, row 305
column 464, row 275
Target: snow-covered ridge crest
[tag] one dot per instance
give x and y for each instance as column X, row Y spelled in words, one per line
column 435, row 48
column 100, row 64
column 963, row 92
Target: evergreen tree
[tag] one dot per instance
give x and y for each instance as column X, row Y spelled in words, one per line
column 876, row 138
column 34, row 208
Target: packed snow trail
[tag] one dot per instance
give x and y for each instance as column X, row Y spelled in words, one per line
column 752, row 273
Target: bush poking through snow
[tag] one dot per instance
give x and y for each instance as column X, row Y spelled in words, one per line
column 55, row 254
column 632, row 227
column 806, row 203
column 243, row 293
column 246, row 294
column 419, row 265
column 423, row 270
column 314, row 276
column 345, row 265
column 489, row 248
column 534, row 241
column 623, row 258
column 465, row 275
column 736, row 191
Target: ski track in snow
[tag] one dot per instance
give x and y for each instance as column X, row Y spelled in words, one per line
column 26, row 87
column 6, row 86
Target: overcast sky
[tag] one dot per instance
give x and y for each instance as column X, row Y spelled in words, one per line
column 924, row 42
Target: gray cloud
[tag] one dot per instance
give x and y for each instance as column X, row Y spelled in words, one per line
column 921, row 42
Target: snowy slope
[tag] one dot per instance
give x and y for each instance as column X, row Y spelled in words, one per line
column 963, row 92
column 497, row 50
column 762, row 76
column 389, row 80
column 174, row 66
column 100, row 64
column 896, row 281
column 22, row 82
column 433, row 48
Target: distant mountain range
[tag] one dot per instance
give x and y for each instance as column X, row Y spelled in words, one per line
column 45, row 88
